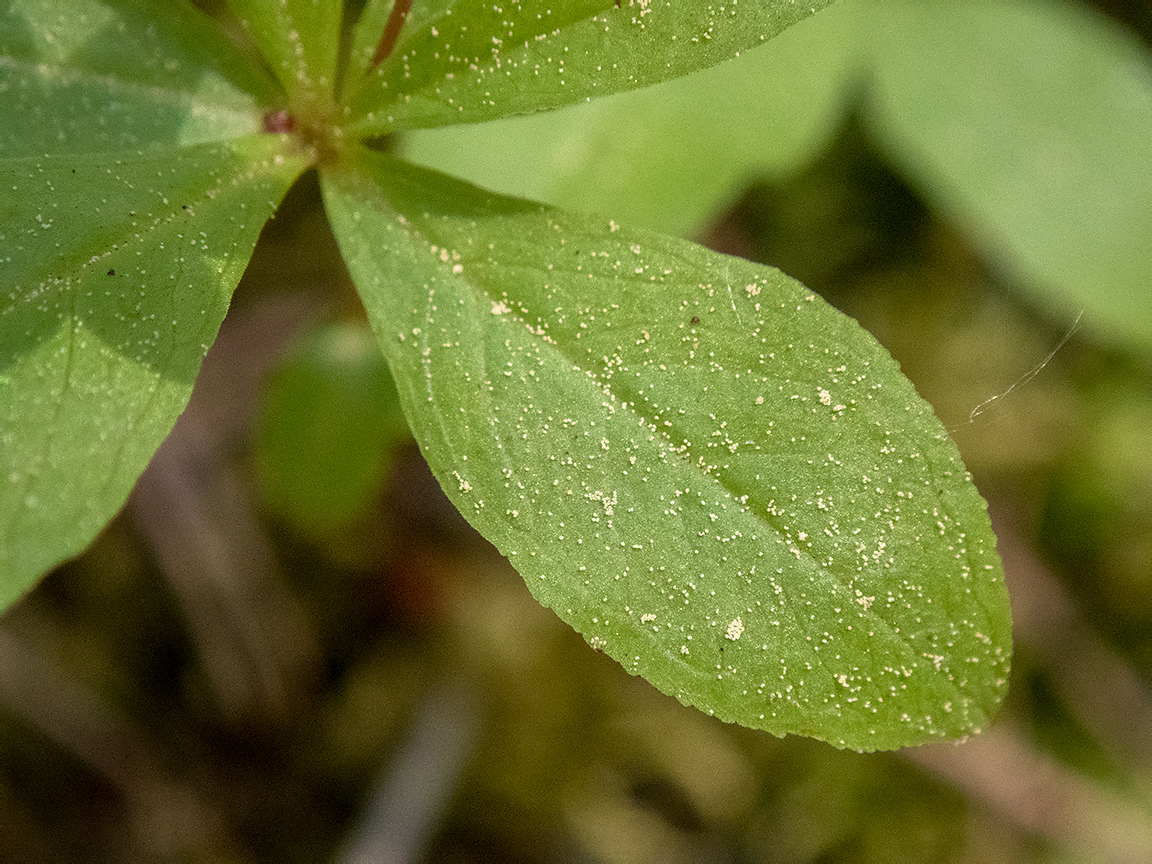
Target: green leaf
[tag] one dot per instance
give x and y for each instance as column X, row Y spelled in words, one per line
column 467, row 61
column 329, row 424
column 719, row 480
column 135, row 185
column 300, row 40
column 85, row 76
column 673, row 156
column 1031, row 125
column 117, row 272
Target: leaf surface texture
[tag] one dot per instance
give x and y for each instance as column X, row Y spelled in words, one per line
column 719, row 480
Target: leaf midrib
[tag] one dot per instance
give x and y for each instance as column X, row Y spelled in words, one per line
column 416, row 228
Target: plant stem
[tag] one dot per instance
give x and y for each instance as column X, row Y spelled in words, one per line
column 391, row 31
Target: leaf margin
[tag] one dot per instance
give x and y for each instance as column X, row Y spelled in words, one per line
column 460, row 482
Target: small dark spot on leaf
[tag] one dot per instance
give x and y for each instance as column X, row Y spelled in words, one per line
column 111, row 272
column 695, row 319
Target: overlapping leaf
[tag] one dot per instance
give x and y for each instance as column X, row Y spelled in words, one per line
column 88, row 76
column 716, row 478
column 300, row 40
column 134, row 193
column 466, row 61
column 670, row 157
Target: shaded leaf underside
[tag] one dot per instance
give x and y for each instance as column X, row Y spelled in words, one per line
column 112, row 294
column 136, row 183
column 1032, row 128
column 716, row 478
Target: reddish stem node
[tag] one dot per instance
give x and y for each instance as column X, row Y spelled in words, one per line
column 279, row 122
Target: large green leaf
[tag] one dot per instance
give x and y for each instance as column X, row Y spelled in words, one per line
column 466, row 61
column 719, row 480
column 672, row 156
column 134, row 193
column 1031, row 124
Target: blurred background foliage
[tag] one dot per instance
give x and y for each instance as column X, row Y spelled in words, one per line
column 290, row 647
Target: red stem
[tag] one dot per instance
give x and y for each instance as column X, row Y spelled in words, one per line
column 391, row 31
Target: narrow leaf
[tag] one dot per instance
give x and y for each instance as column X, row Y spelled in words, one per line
column 372, row 24
column 719, row 480
column 300, row 40
column 466, row 61
column 1032, row 125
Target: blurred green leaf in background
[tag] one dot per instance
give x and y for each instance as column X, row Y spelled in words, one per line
column 1026, row 124
column 329, row 425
